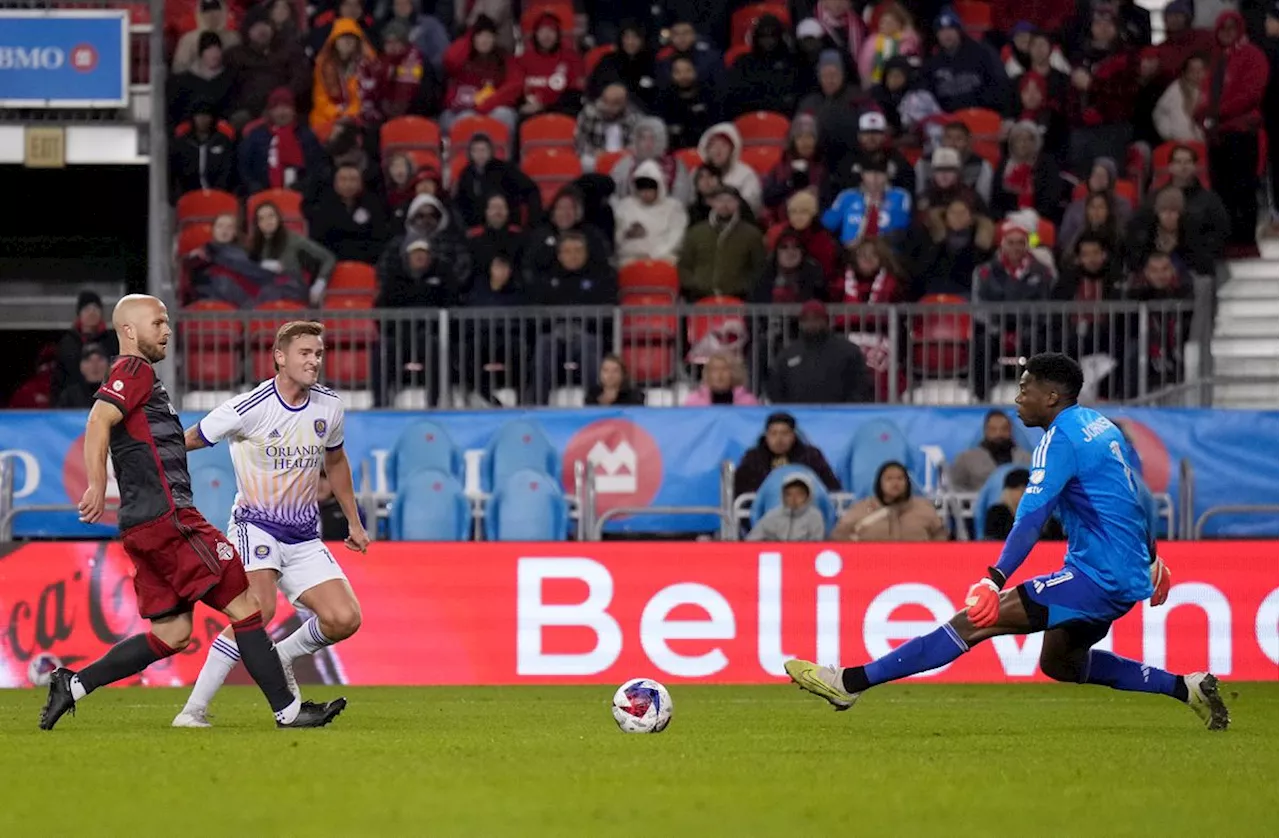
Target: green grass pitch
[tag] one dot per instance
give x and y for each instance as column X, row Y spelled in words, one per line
column 909, row 760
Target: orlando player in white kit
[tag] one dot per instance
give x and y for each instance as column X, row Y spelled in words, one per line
column 281, row 435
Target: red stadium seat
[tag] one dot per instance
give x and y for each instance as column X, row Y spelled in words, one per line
column 734, row 53
column 649, row 276
column 744, row 20
column 204, row 205
column 552, row 169
column 286, row 200
column 562, row 11
column 690, row 158
column 410, row 132
column 940, row 340
column 606, row 160
column 214, row 369
column 222, row 127
column 1161, row 155
column 593, row 57
column 268, row 317
column 975, row 16
column 699, row 326
column 264, row 363
column 352, row 279
column 200, row 334
column 194, row 236
column 650, row 364
column 467, row 127
column 649, row 326
column 349, row 340
column 548, row 129
column 1047, row 233
column 422, row 158
column 763, row 128
column 983, row 123
column 762, row 158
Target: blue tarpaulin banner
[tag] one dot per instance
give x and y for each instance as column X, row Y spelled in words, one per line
column 64, row 59
column 672, row 456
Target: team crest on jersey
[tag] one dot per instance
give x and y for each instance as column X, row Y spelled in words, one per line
column 321, row 427
column 261, row 551
column 225, row 551
column 117, row 385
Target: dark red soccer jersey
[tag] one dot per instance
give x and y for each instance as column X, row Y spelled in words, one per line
column 147, row 448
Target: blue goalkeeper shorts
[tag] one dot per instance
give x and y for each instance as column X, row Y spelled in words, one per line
column 1068, row 596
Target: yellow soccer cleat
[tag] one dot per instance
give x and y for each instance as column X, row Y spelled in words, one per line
column 822, row 681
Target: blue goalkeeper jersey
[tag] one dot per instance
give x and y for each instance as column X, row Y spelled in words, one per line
column 1080, row 468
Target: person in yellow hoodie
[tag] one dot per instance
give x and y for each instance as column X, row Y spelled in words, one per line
column 336, row 91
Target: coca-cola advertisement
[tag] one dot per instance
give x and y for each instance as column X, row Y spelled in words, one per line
column 564, row 613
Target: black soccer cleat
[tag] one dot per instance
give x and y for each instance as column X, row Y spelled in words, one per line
column 59, row 701
column 311, row 714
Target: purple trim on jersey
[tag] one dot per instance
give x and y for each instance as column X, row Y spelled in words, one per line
column 286, row 532
column 203, row 438
column 254, row 400
column 285, row 404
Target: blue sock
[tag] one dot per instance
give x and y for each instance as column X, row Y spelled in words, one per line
column 928, row 651
column 1119, row 673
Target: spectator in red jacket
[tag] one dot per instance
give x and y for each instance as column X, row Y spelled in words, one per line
column 399, row 82
column 552, row 71
column 800, row 167
column 1181, row 40
column 1231, row 115
column 483, row 79
column 802, row 219
column 1103, row 84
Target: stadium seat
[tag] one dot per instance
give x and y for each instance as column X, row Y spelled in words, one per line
column 349, row 339
column 423, row 159
column 409, row 133
column 204, row 205
column 734, row 53
column 762, row 158
column 563, row 12
column 287, row 201
column 769, row 495
column 467, row 127
column 517, row 445
column 984, row 126
column 744, row 20
column 425, row 445
column 650, row 364
column 430, row 506
column 726, row 323
column 940, row 340
column 529, row 506
column 649, row 276
column 875, row 443
column 690, row 158
column 606, row 160
column 352, row 278
column 213, row 488
column 551, row 169
column 988, row 495
column 269, row 317
column 648, row 327
column 205, row 334
column 194, row 236
column 548, row 129
column 1046, row 233
column 592, row 58
column 763, row 128
column 456, row 165
column 976, row 17
column 1160, row 163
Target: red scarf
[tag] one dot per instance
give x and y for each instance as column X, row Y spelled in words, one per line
column 284, row 153
column 1017, row 270
column 880, row 289
column 846, row 29
column 1018, row 180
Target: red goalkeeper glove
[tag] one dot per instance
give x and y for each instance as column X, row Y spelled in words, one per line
column 983, row 603
column 1160, row 581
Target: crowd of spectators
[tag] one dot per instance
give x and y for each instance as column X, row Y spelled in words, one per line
column 885, row 191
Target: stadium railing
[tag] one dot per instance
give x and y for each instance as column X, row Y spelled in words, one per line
column 1138, row 352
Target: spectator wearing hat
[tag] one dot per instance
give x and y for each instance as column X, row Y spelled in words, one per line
column 482, row 76
column 1181, row 40
column 261, row 67
column 211, row 18
column 78, row 395
column 721, row 146
column 975, row 171
column 202, row 157
column 874, row 144
column 649, row 223
column 486, row 174
column 791, row 275
column 280, row 153
column 1028, row 178
column 348, row 220
column 205, row 82
column 412, row 275
column 352, row 11
column 836, row 105
column 1017, row 52
column 552, row 70
column 767, row 78
column 795, row 519
column 873, row 209
column 963, row 73
column 811, row 42
column 821, row 367
column 945, row 183
column 346, row 59
column 89, row 328
column 650, row 143
column 800, row 168
column 780, row 445
column 605, row 124
column 893, row 513
column 1048, row 16
column 1103, row 86
column 684, row 41
column 429, row 218
column 687, row 104
column 895, row 36
column 802, row 219
column 724, row 254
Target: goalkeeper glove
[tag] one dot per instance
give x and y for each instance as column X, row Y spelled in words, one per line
column 983, row 603
column 1160, row 580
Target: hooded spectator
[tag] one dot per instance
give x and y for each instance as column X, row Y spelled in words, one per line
column 429, row 217
column 483, row 78
column 499, row 235
column 1100, row 219
column 1102, row 181
column 795, row 519
column 425, row 33
column 485, row 174
column 552, row 70
column 649, row 223
column 1168, row 229
column 836, row 105
column 873, row 209
column 1103, row 87
column 780, row 445
column 1204, row 207
column 1035, row 106
column 974, row 465
column 948, row 249
column 262, row 66
column 683, row 41
column 649, row 144
column 724, row 382
column 767, row 77
column 1014, row 275
column 893, row 514
column 345, row 58
column 632, row 65
column 614, row 387
column 687, row 105
column 1230, row 114
column 349, row 221
column 945, row 183
column 79, row 395
column 88, row 329
column 874, row 148
column 721, row 146
column 821, row 367
column 280, row 153
column 277, row 248
column 565, row 214
column 1028, row 177
column 895, row 37
column 206, row 82
column 791, row 275
column 417, row 278
column 211, row 18
column 802, row 220
column 223, row 270
column 962, row 72
column 324, row 21
column 606, row 124
column 722, row 255
column 800, row 168
column 1175, row 112
column 1181, row 40
column 399, row 82
column 201, row 156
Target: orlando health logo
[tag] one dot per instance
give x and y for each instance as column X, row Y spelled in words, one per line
column 623, row 457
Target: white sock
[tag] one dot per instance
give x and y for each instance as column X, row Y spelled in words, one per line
column 289, row 713
column 77, row 691
column 223, row 657
column 307, row 640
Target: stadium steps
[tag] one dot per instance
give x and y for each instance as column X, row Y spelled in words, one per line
column 1246, row 334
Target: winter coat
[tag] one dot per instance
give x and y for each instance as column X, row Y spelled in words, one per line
column 737, row 174
column 336, row 90
column 589, row 286
column 391, row 87
column 823, row 369
column 664, row 222
column 254, row 160
column 426, row 33
column 755, row 465
column 721, row 258
column 819, row 244
column 399, row 287
column 1109, row 99
column 1046, row 189
column 783, row 524
column 701, row 397
column 477, row 82
column 847, row 173
column 688, row 113
column 672, row 172
column 196, row 163
column 448, row 244
column 226, row 272
column 471, row 192
column 807, row 282
column 764, row 81
column 1074, row 223
column 1233, row 88
column 258, row 73
column 70, row 346
column 837, row 118
column 914, row 519
column 486, row 244
column 538, row 252
column 785, row 179
column 637, row 73
column 975, row 172
column 187, row 53
column 195, row 87
column 549, row 76
column 942, row 264
column 970, row 77
column 354, row 233
column 847, row 217
column 1173, row 122
column 993, row 282
column 299, row 256
column 708, row 62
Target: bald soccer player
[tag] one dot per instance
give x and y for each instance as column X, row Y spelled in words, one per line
column 178, row 557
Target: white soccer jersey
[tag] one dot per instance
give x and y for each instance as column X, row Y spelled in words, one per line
column 278, row 452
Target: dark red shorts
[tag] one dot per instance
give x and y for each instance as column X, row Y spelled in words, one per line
column 180, row 560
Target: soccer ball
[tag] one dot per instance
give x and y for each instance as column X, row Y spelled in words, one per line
column 41, row 668
column 642, row 705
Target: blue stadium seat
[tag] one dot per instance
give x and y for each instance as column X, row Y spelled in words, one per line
column 430, row 506
column 529, row 506
column 214, row 490
column 769, row 494
column 875, row 443
column 988, row 495
column 422, row 446
column 517, row 445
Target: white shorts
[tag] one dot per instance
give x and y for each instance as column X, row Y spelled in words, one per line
column 301, row 566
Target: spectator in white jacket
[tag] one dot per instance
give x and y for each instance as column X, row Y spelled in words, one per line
column 649, row 223
column 721, row 147
column 1174, row 116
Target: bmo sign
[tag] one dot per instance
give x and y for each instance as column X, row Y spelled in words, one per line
column 64, row 59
